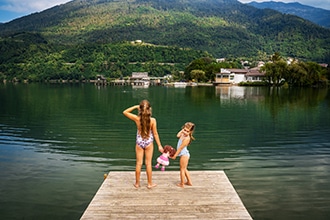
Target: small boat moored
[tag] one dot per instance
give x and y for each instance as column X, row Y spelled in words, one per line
column 180, row 85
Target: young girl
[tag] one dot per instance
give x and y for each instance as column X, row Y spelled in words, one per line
column 145, row 135
column 185, row 138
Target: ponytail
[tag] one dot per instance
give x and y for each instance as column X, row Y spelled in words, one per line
column 145, row 115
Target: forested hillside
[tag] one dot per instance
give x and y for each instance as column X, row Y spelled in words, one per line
column 27, row 56
column 222, row 27
column 83, row 38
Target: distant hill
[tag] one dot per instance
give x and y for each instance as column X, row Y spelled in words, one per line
column 224, row 28
column 317, row 15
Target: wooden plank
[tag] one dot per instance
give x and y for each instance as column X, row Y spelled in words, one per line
column 212, row 196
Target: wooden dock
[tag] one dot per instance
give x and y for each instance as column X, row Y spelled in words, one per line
column 212, row 196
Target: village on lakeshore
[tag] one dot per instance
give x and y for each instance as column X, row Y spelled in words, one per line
column 277, row 71
column 226, row 76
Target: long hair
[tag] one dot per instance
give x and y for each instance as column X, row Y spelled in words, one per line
column 145, row 115
column 191, row 127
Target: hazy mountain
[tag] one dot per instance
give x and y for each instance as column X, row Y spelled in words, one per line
column 224, row 28
column 317, row 15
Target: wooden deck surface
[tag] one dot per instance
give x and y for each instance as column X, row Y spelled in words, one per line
column 211, row 197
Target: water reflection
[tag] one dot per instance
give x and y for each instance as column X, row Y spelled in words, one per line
column 229, row 92
column 56, row 142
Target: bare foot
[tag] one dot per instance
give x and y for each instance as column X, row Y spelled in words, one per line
column 188, row 183
column 180, row 185
column 151, row 186
column 136, row 185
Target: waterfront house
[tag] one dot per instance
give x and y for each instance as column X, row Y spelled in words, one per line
column 140, row 79
column 230, row 76
column 236, row 76
column 254, row 75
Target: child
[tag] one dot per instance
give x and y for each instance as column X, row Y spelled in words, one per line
column 163, row 160
column 145, row 136
column 185, row 138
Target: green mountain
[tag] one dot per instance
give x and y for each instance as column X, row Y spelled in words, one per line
column 317, row 15
column 224, row 28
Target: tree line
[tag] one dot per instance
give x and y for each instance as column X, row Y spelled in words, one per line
column 22, row 58
column 296, row 73
column 28, row 57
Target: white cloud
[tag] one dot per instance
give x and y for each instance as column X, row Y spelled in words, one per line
column 325, row 4
column 28, row 6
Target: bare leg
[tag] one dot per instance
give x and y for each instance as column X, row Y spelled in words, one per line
column 184, row 172
column 139, row 159
column 187, row 178
column 148, row 162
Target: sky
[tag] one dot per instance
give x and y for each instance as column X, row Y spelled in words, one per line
column 325, row 4
column 12, row 9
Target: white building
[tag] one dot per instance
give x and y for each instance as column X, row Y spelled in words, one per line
column 236, row 76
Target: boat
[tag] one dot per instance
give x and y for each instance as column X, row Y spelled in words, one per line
column 192, row 84
column 180, row 85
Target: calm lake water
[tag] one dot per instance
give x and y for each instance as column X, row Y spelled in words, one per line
column 57, row 141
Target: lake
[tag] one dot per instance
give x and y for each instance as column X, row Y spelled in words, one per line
column 57, row 141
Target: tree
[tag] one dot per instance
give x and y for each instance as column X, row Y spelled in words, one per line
column 198, row 75
column 276, row 70
column 198, row 64
column 316, row 74
column 296, row 74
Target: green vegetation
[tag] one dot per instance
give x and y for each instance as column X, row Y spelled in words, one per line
column 82, row 39
column 205, row 68
column 29, row 57
column 310, row 74
column 224, row 28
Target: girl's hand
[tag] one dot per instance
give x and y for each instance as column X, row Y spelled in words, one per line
column 178, row 135
column 161, row 149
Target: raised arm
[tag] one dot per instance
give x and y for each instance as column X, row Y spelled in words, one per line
column 178, row 135
column 128, row 114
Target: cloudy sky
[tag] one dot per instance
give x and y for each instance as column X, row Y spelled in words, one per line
column 11, row 9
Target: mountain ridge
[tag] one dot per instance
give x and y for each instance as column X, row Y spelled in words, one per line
column 225, row 28
column 317, row 15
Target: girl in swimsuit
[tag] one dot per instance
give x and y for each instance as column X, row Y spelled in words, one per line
column 185, row 138
column 146, row 134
